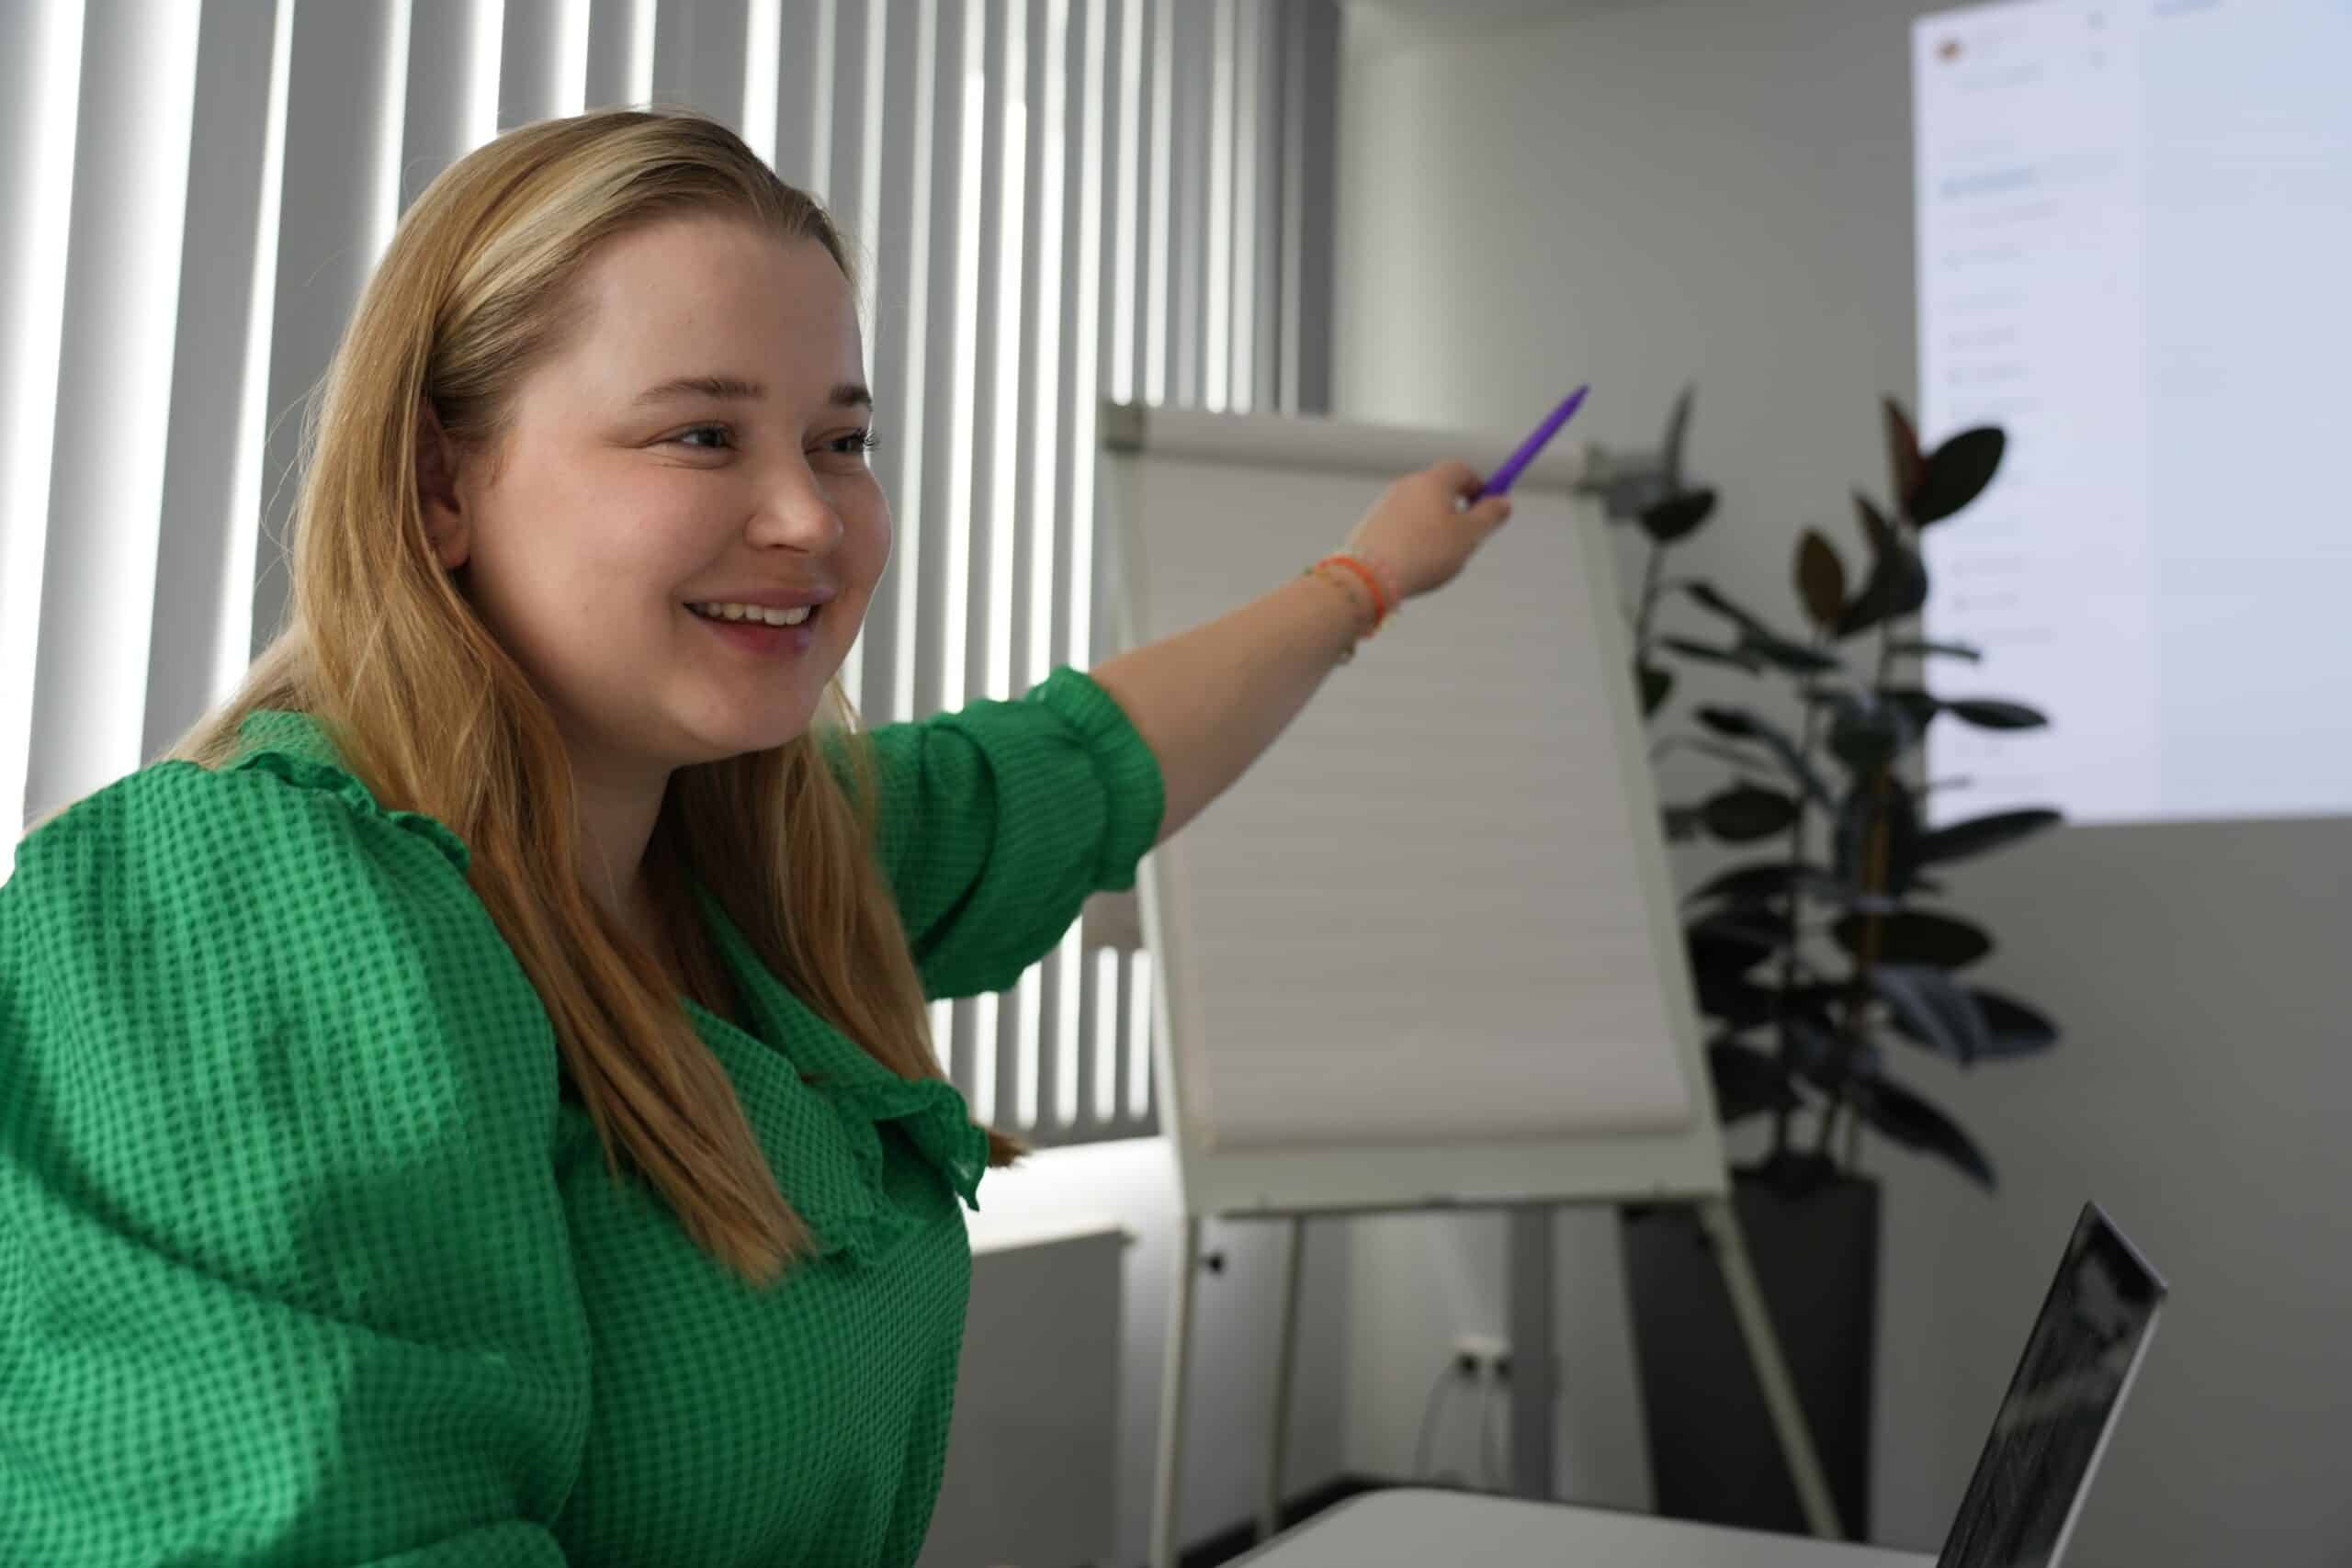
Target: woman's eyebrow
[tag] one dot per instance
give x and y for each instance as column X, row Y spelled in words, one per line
column 738, row 389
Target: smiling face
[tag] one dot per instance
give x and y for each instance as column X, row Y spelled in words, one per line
column 611, row 510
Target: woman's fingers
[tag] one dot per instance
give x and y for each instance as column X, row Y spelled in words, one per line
column 1491, row 513
column 1458, row 477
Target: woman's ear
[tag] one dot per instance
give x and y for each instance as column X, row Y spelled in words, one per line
column 445, row 523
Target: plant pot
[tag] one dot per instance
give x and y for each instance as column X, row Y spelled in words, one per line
column 1812, row 1235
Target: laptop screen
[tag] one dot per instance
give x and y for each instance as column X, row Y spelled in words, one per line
column 2087, row 1344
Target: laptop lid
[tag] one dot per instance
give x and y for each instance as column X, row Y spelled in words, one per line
column 2046, row 1442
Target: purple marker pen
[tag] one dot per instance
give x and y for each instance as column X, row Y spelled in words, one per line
column 1505, row 476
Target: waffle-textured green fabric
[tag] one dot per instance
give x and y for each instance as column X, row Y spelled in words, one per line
column 305, row 1259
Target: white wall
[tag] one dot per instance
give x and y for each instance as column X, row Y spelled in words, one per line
column 1719, row 190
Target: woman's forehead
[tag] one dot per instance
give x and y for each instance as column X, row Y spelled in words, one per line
column 704, row 296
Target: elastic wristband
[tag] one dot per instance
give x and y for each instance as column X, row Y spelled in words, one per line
column 1379, row 595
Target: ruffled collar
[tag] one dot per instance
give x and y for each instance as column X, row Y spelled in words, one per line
column 862, row 1090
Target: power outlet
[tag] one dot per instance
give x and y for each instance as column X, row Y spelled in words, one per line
column 1481, row 1355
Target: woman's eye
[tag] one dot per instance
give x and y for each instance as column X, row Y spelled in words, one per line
column 855, row 444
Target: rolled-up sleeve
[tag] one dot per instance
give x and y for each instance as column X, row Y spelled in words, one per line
column 999, row 820
column 285, row 1274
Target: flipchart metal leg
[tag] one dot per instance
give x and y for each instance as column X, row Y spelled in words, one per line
column 1167, row 1483
column 1270, row 1505
column 1771, row 1370
column 1534, row 1372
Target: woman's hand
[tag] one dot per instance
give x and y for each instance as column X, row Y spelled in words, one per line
column 1418, row 537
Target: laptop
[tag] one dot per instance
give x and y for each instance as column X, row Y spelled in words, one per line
column 2086, row 1349
column 2020, row 1506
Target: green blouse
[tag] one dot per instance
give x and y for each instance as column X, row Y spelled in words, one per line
column 304, row 1258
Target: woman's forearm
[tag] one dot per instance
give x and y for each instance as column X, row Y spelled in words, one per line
column 1209, row 700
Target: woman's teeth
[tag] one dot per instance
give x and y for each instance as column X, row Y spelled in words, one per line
column 792, row 618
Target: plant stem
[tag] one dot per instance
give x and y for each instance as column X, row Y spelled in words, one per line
column 1878, row 852
column 1789, row 950
column 1875, row 854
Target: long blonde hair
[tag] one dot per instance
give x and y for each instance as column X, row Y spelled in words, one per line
column 430, row 711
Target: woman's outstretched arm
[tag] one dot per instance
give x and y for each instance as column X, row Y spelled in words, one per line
column 1210, row 700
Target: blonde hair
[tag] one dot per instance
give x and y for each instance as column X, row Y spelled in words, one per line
column 430, row 711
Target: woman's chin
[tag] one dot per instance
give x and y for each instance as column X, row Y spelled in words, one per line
column 781, row 719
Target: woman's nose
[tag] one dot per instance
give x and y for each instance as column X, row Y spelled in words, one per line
column 798, row 514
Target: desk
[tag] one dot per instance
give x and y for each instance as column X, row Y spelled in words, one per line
column 1466, row 1529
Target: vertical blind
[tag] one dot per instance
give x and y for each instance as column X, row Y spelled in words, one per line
column 1051, row 202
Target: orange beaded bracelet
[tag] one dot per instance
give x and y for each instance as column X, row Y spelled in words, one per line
column 1363, row 571
column 1372, row 580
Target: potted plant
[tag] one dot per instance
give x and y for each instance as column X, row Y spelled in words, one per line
column 1815, row 965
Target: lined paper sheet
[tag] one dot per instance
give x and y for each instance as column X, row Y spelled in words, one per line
column 1420, row 917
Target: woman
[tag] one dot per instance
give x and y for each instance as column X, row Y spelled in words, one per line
column 473, row 1103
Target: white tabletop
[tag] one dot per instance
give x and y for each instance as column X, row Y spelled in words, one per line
column 1463, row 1530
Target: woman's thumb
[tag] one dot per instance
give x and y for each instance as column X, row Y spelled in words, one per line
column 1489, row 511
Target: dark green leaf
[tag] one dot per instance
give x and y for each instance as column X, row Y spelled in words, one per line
column 1730, row 943
column 1979, row 834
column 1677, row 426
column 1744, row 813
column 1957, row 473
column 1821, row 578
column 1654, row 684
column 1915, row 936
column 1905, row 463
column 2011, row 1028
column 1986, row 712
column 1918, row 706
column 1731, row 755
column 1757, row 638
column 1681, row 823
column 2016, row 1030
column 1725, row 947
column 1794, row 656
column 1744, row 725
column 1909, row 589
column 1897, row 587
column 1740, row 1002
column 1737, row 658
column 1677, row 515
column 1747, row 1081
column 1812, row 1048
column 1930, row 1009
column 1867, row 732
column 1916, row 1125
column 1824, row 1057
column 1913, row 648
column 1738, row 723
column 1733, row 1002
column 1876, row 529
column 1898, row 580
column 1713, row 598
column 1628, row 495
column 1816, row 1000
column 1761, row 883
